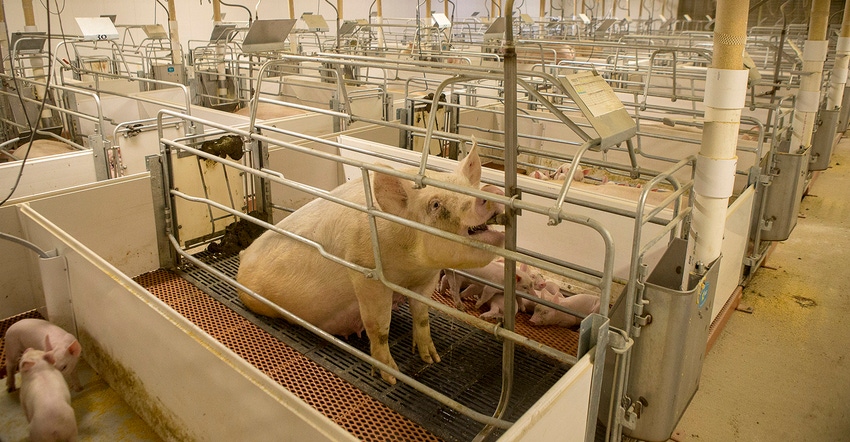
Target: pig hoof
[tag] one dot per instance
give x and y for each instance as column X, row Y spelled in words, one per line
column 388, row 377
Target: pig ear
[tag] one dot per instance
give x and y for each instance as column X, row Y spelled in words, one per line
column 390, row 193
column 26, row 365
column 523, row 266
column 48, row 356
column 470, row 167
column 75, row 348
column 47, row 346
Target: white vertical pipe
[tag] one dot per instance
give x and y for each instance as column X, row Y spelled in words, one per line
column 838, row 79
column 725, row 94
column 808, row 97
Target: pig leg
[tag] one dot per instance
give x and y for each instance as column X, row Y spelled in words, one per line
column 422, row 332
column 376, row 306
column 454, row 287
column 13, row 355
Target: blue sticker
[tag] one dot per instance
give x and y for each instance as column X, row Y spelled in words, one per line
column 703, row 295
column 171, row 69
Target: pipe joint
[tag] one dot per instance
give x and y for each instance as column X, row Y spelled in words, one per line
column 843, row 45
column 815, row 50
column 715, row 177
column 726, row 88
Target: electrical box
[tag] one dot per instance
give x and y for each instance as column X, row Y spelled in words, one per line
column 172, row 73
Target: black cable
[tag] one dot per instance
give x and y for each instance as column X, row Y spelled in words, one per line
column 239, row 6
column 40, row 109
column 167, row 12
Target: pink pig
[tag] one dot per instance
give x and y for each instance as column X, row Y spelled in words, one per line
column 42, row 335
column 301, row 279
column 580, row 303
column 45, row 398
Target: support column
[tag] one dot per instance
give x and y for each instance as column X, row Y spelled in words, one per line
column 379, row 16
column 838, row 79
column 725, row 94
column 176, row 51
column 4, row 44
column 219, row 52
column 36, row 63
column 808, row 98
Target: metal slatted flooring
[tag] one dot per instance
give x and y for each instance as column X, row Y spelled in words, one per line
column 344, row 388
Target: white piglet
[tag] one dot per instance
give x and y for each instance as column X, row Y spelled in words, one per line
column 39, row 334
column 341, row 300
column 45, row 399
column 581, row 303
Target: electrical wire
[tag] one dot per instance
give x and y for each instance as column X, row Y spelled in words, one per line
column 57, row 6
column 250, row 17
column 167, row 12
column 33, row 129
column 25, row 243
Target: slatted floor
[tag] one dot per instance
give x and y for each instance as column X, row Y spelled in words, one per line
column 343, row 388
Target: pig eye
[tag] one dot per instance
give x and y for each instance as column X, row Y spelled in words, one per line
column 434, row 205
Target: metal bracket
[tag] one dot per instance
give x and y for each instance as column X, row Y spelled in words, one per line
column 626, row 415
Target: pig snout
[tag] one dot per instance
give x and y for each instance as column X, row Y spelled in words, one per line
column 490, row 210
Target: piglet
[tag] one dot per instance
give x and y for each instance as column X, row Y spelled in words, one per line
column 37, row 334
column 564, row 170
column 580, row 303
column 45, row 398
column 540, row 175
column 495, row 300
column 460, row 287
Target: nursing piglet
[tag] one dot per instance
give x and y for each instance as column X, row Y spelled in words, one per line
column 38, row 334
column 342, row 300
column 580, row 303
column 45, row 398
column 494, row 298
column 461, row 287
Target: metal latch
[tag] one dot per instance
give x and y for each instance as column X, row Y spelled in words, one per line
column 630, row 411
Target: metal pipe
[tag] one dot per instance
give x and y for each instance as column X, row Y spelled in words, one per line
column 510, row 161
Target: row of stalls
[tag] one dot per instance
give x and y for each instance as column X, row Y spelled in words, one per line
column 141, row 176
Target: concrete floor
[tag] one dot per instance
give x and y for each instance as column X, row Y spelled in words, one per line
column 102, row 416
column 782, row 373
